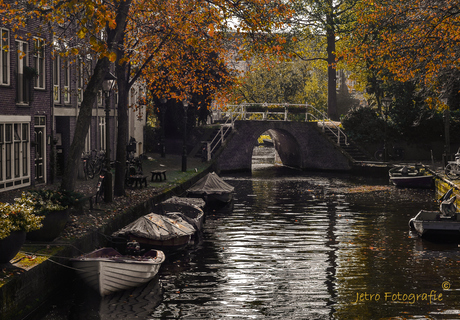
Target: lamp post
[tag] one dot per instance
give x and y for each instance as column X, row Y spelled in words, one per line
column 107, row 86
column 162, row 138
column 386, row 102
column 184, row 146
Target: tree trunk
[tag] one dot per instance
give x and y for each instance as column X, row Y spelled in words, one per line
column 331, row 70
column 122, row 140
column 114, row 36
column 83, row 121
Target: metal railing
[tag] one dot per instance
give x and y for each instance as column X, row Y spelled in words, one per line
column 274, row 112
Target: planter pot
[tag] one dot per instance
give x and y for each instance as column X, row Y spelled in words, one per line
column 53, row 224
column 11, row 245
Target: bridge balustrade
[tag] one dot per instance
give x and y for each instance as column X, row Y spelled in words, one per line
column 274, row 112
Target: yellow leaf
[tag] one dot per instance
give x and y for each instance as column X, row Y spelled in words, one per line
column 112, row 56
column 81, row 34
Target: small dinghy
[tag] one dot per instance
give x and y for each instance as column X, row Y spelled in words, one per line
column 406, row 176
column 107, row 271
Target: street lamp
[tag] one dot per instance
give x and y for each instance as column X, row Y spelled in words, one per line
column 107, row 86
column 184, row 146
column 386, row 103
column 162, row 138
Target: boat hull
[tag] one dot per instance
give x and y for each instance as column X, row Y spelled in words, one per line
column 169, row 245
column 413, row 181
column 108, row 274
column 431, row 224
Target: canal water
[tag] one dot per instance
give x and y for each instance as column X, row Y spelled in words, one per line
column 296, row 245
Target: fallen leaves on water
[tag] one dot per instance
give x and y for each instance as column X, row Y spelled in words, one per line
column 364, row 189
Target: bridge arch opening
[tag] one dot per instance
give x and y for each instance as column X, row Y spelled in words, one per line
column 275, row 147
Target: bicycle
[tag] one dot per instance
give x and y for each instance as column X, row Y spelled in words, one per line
column 100, row 187
column 452, row 169
column 98, row 162
column 393, row 153
column 88, row 170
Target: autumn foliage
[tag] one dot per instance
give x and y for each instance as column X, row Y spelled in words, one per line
column 414, row 40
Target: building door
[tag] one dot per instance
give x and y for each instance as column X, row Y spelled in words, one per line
column 40, row 153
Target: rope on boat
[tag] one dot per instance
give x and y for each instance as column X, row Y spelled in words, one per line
column 49, row 259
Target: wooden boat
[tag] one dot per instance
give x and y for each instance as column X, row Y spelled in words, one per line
column 212, row 189
column 410, row 177
column 158, row 232
column 185, row 209
column 107, row 271
column 442, row 225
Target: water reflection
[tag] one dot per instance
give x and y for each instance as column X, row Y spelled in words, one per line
column 298, row 245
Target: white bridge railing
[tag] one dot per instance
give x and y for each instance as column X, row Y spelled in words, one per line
column 273, row 112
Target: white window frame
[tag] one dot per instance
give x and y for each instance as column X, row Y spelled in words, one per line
column 22, row 49
column 87, row 148
column 102, row 124
column 66, row 81
column 80, row 80
column 56, row 78
column 39, row 63
column 15, row 166
column 4, row 57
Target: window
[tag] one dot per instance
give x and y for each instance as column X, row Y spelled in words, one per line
column 22, row 79
column 25, row 147
column 8, row 149
column 39, row 63
column 80, row 80
column 56, row 78
column 102, row 131
column 4, row 57
column 88, row 141
column 17, row 148
column 66, row 81
column 14, row 152
column 99, row 98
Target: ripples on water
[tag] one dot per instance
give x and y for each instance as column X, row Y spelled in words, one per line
column 303, row 246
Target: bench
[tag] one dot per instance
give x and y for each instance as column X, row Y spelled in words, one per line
column 138, row 180
column 158, row 175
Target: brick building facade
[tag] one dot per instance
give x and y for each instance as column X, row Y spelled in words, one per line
column 40, row 95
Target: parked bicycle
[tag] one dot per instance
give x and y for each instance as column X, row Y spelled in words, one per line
column 452, row 169
column 393, row 153
column 100, row 187
column 92, row 165
column 87, row 165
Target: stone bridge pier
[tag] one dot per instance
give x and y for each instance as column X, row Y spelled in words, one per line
column 299, row 144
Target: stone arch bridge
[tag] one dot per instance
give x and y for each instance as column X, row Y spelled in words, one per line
column 302, row 145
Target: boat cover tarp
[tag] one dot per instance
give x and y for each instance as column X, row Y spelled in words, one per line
column 156, row 227
column 211, row 184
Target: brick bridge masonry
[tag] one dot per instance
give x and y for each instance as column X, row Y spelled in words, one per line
column 299, row 144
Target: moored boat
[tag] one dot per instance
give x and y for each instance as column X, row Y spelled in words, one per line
column 406, row 176
column 212, row 189
column 158, row 232
column 440, row 225
column 185, row 210
column 107, row 271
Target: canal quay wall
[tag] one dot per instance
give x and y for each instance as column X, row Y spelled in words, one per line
column 27, row 288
